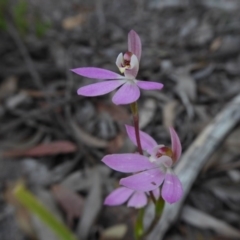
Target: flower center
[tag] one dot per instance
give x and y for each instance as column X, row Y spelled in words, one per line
column 126, row 60
column 164, row 151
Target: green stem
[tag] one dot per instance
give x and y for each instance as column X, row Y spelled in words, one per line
column 159, row 205
column 152, row 197
column 138, row 230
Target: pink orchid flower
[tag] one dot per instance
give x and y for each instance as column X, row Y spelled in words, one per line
column 136, row 199
column 152, row 171
column 128, row 64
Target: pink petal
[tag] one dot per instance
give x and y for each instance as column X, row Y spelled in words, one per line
column 100, row 88
column 156, row 193
column 134, row 44
column 97, row 73
column 172, row 190
column 176, row 144
column 128, row 93
column 118, row 196
column 138, row 200
column 149, row 85
column 147, row 142
column 132, row 72
column 128, row 162
column 145, row 181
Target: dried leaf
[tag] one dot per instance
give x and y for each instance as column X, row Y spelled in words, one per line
column 167, row 4
column 14, row 101
column 215, row 45
column 86, row 138
column 45, row 149
column 21, row 142
column 202, row 34
column 146, row 112
column 229, row 46
column 73, row 22
column 92, row 205
column 229, row 5
column 8, row 87
column 116, row 143
column 232, row 142
column 114, row 232
column 118, row 113
column 70, row 202
column 185, row 83
column 169, row 113
column 224, row 189
column 77, row 181
column 186, row 89
column 202, row 220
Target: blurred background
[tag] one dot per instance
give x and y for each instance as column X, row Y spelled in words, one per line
column 53, row 140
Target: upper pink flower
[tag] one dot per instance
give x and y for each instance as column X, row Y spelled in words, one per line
column 136, row 199
column 128, row 64
column 152, row 171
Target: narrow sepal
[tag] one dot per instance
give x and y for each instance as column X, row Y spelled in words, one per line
column 134, row 44
column 127, row 162
column 96, row 73
column 147, row 142
column 176, row 144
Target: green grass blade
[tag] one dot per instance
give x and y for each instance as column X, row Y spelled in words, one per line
column 29, row 201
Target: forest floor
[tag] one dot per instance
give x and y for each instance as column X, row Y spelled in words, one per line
column 54, row 140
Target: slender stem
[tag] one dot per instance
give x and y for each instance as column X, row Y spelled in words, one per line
column 159, row 206
column 136, row 127
column 139, row 227
column 134, row 109
column 152, row 197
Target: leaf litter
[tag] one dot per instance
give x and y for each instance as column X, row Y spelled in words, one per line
column 195, row 53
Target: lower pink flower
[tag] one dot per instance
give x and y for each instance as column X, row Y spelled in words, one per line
column 153, row 171
column 136, row 199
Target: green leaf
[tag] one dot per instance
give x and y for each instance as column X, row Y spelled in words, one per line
column 36, row 207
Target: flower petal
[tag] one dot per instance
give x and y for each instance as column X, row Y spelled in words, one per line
column 97, row 73
column 118, row 196
column 176, row 144
column 100, row 88
column 138, row 200
column 128, row 162
column 172, row 190
column 149, row 85
column 147, row 142
column 132, row 72
column 128, row 93
column 145, row 181
column 134, row 44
